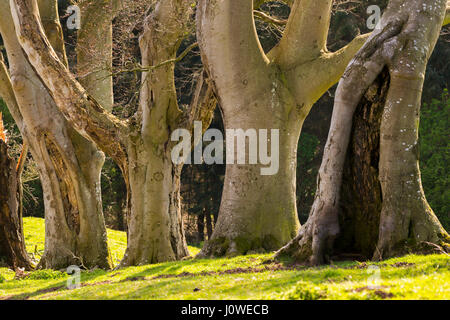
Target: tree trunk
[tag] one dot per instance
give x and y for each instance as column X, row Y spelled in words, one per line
column 141, row 145
column 265, row 91
column 94, row 49
column 361, row 198
column 247, row 221
column 155, row 228
column 375, row 128
column 257, row 212
column 209, row 226
column 12, row 242
column 75, row 227
column 69, row 165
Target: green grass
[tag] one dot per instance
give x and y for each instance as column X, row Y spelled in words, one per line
column 242, row 277
column 34, row 229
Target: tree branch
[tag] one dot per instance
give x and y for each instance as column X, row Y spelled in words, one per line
column 329, row 67
column 306, row 32
column 81, row 110
column 22, row 159
column 229, row 42
column 161, row 64
column 202, row 104
column 95, row 49
column 269, row 19
column 259, row 3
column 324, row 72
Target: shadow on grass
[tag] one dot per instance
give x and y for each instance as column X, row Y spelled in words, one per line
column 194, row 287
column 57, row 287
column 173, row 268
column 234, row 276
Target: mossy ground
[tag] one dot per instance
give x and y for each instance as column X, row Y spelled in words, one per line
column 242, row 277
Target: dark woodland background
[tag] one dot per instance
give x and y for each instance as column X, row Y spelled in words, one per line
column 202, row 184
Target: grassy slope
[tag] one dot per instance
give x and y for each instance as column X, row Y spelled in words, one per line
column 249, row 277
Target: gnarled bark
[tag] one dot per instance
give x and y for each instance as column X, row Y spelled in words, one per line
column 69, row 166
column 155, row 228
column 140, row 146
column 399, row 219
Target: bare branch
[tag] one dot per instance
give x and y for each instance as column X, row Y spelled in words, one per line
column 269, row 19
column 202, row 104
column 161, row 64
column 22, row 159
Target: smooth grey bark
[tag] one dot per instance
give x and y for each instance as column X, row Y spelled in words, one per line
column 265, row 91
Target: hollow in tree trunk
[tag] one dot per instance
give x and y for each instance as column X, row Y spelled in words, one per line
column 370, row 197
column 12, row 242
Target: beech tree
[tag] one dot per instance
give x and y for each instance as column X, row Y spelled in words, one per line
column 69, row 165
column 12, row 242
column 140, row 145
column 370, row 198
column 258, row 90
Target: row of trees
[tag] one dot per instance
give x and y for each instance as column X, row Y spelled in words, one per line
column 64, row 110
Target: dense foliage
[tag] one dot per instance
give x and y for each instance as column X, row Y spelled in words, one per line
column 435, row 155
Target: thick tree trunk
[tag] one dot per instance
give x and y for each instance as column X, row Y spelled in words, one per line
column 265, row 91
column 12, row 242
column 75, row 228
column 257, row 212
column 383, row 110
column 407, row 224
column 140, row 146
column 69, row 165
column 155, row 228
